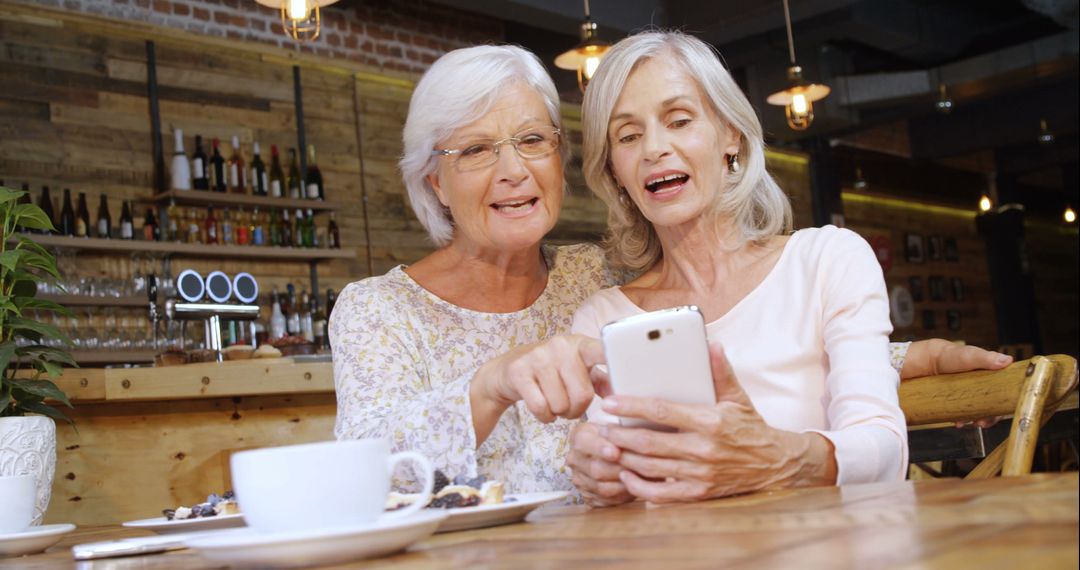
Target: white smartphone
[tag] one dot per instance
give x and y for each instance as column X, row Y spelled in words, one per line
column 661, row 354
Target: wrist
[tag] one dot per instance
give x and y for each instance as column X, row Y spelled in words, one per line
column 483, row 392
column 811, row 461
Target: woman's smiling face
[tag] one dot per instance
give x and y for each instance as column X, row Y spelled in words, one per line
column 667, row 144
column 510, row 204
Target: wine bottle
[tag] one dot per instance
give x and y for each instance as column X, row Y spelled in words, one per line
column 294, row 175
column 313, row 182
column 181, row 169
column 258, row 181
column 82, row 218
column 67, row 215
column 217, row 169
column 151, row 229
column 277, row 317
column 286, row 229
column 236, row 169
column 195, row 228
column 127, row 223
column 298, row 229
column 104, row 220
column 200, row 167
column 292, row 315
column 333, row 237
column 309, row 229
column 307, row 328
column 275, row 227
column 45, row 203
column 318, row 323
column 226, row 228
column 241, row 227
column 174, row 223
column 277, row 178
column 211, row 225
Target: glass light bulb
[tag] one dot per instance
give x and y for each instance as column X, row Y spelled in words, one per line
column 590, row 65
column 984, row 203
column 799, row 104
column 298, row 9
column 1070, row 215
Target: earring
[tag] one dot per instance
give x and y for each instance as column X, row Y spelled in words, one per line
column 733, row 163
column 624, row 200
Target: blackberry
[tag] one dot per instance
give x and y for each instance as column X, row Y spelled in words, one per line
column 228, row 495
column 454, row 501
column 169, row 513
column 196, row 511
column 440, row 481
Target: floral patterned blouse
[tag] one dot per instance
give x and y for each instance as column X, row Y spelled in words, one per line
column 403, row 360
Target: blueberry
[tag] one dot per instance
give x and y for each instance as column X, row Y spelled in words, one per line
column 213, row 499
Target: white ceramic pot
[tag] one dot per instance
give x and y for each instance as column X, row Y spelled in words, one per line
column 28, row 447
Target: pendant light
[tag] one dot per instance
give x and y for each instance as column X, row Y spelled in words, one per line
column 944, row 103
column 798, row 99
column 1046, row 136
column 301, row 19
column 1070, row 215
column 586, row 55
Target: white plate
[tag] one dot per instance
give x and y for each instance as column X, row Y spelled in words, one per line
column 502, row 513
column 162, row 525
column 248, row 548
column 32, row 541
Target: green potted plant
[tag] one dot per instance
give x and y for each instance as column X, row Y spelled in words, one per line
column 27, row 429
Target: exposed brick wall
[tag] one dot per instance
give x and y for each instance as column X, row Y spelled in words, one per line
column 394, row 35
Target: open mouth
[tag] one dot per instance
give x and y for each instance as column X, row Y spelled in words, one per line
column 515, row 205
column 666, row 183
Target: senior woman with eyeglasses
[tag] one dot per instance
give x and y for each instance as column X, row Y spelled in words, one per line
column 798, row 323
column 464, row 355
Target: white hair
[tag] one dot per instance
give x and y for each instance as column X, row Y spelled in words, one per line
column 752, row 199
column 456, row 91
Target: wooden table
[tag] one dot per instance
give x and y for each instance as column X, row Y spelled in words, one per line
column 1028, row 522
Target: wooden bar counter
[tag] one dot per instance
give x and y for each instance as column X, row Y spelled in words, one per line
column 146, row 439
column 1017, row 522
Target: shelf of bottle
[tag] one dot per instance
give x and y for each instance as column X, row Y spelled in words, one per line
column 96, row 301
column 192, row 249
column 205, row 197
column 112, row 356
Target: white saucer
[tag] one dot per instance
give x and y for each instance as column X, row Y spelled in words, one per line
column 518, row 507
column 34, row 540
column 246, row 547
column 162, row 525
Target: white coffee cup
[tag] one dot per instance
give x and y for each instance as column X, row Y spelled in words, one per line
column 17, row 494
column 321, row 485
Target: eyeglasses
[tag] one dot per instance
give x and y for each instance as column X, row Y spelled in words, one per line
column 529, row 144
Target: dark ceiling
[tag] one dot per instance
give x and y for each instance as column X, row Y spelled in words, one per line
column 1006, row 65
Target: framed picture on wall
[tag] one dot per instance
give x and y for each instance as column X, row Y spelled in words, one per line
column 936, row 285
column 952, row 252
column 952, row 320
column 913, row 248
column 915, row 286
column 957, row 289
column 934, row 248
column 928, row 319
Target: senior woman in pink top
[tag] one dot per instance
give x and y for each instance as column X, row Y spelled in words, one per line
column 798, row 323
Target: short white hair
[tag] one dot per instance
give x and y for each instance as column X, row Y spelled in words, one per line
column 458, row 90
column 752, row 200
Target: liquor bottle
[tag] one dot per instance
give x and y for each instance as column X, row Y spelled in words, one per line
column 181, row 169
column 258, row 234
column 200, row 167
column 227, row 234
column 306, row 325
column 286, row 229
column 104, row 220
column 174, row 222
column 211, row 225
column 242, row 228
column 277, row 177
column 298, row 228
column 236, row 169
column 333, row 237
column 258, row 180
column 309, row 229
column 82, row 218
column 318, row 323
column 294, row 181
column 275, row 228
column 127, row 223
column 195, row 230
column 45, row 203
column 217, row 169
column 313, row 182
column 67, row 215
column 151, row 229
column 277, row 318
column 292, row 315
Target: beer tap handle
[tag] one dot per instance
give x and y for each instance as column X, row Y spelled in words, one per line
column 152, row 294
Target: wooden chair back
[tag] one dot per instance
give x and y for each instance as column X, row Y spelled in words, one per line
column 1029, row 391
